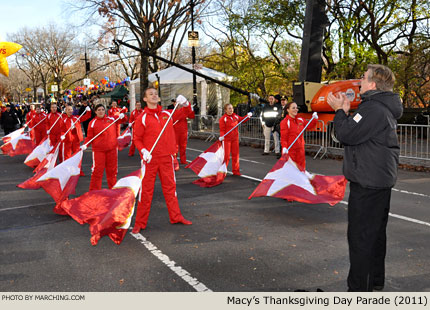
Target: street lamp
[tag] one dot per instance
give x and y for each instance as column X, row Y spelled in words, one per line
column 193, row 41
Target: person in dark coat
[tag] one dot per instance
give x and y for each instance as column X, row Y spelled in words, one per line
column 9, row 120
column 370, row 163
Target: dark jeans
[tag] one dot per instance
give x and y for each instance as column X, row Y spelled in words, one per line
column 367, row 222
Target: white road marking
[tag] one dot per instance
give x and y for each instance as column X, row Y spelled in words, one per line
column 28, row 206
column 185, row 275
column 405, row 218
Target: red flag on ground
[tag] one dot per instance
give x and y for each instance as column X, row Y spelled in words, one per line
column 60, row 182
column 18, row 145
column 47, row 164
column 107, row 211
column 13, row 134
column 210, row 166
column 124, row 139
column 286, row 181
column 39, row 153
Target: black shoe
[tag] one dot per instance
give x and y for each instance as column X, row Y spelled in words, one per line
column 265, row 153
column 378, row 288
column 278, row 155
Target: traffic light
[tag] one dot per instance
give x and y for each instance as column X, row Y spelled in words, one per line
column 87, row 67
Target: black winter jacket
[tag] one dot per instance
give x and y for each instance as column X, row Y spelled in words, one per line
column 370, row 139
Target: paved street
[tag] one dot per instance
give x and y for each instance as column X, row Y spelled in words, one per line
column 234, row 244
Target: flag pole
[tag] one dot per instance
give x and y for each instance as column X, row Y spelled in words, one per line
column 235, row 126
column 314, row 116
column 73, row 125
column 164, row 127
column 104, row 129
column 30, row 129
column 55, row 122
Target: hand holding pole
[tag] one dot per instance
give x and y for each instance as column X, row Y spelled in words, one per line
column 247, row 116
column 314, row 116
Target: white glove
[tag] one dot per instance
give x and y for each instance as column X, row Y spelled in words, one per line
column 315, row 115
column 249, row 114
column 73, row 126
column 62, row 138
column 146, row 156
column 129, row 125
column 83, row 147
column 121, row 116
column 48, row 132
column 284, row 150
column 221, row 139
column 182, row 101
column 87, row 109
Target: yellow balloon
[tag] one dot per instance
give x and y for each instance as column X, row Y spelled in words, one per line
column 7, row 49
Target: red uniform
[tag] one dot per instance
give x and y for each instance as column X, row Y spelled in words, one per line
column 39, row 130
column 133, row 116
column 73, row 138
column 147, row 127
column 290, row 129
column 114, row 113
column 55, row 132
column 105, row 151
column 181, row 130
column 231, row 141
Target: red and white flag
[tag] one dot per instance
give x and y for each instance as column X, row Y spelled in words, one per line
column 107, row 211
column 13, row 134
column 124, row 139
column 39, row 153
column 286, row 181
column 61, row 181
column 47, row 164
column 18, row 145
column 210, row 166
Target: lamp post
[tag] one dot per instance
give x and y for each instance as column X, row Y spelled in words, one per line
column 193, row 38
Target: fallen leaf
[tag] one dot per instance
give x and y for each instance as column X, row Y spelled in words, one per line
column 121, row 282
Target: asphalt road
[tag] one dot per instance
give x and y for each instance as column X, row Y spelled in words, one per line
column 234, row 244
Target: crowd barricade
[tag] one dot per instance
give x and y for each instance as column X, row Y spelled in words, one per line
column 413, row 139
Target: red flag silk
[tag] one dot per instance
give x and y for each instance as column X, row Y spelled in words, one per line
column 107, row 211
column 47, row 164
column 61, row 181
column 210, row 166
column 18, row 145
column 286, row 181
column 38, row 154
column 13, row 134
column 124, row 139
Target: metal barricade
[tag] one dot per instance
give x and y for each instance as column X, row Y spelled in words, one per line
column 203, row 126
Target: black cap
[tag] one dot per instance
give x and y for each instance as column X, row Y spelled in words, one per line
column 284, row 98
column 173, row 100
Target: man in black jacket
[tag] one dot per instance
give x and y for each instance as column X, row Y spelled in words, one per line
column 9, row 120
column 370, row 164
column 268, row 118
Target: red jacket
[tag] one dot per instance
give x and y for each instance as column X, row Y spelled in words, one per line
column 51, row 119
column 115, row 112
column 290, row 128
column 180, row 118
column 30, row 115
column 227, row 122
column 148, row 126
column 76, row 133
column 108, row 139
column 134, row 115
column 35, row 119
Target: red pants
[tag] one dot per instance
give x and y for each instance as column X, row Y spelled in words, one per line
column 67, row 149
column 233, row 146
column 104, row 160
column 181, row 142
column 39, row 135
column 298, row 156
column 163, row 166
column 132, row 149
column 54, row 140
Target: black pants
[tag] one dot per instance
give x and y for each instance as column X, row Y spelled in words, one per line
column 367, row 222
